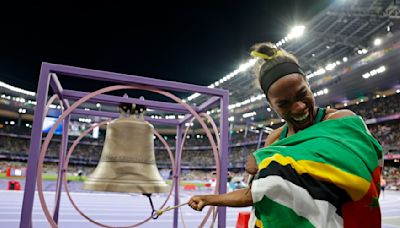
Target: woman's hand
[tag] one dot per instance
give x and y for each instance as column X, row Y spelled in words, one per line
column 199, row 202
column 238, row 198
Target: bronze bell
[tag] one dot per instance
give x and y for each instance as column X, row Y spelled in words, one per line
column 127, row 162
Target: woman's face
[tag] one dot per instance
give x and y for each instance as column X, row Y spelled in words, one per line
column 292, row 99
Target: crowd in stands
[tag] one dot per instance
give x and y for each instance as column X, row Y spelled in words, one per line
column 378, row 107
column 388, row 134
column 197, row 151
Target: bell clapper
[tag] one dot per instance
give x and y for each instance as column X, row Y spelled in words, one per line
column 156, row 213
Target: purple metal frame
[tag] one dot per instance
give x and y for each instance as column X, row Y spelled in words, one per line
column 49, row 78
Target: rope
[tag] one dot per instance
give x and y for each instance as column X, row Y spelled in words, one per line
column 160, row 212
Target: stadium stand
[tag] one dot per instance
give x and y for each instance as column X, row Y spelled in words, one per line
column 197, row 154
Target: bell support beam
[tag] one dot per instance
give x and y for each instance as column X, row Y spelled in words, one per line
column 131, row 79
column 205, row 106
column 109, row 99
column 177, row 174
column 61, row 171
column 223, row 153
column 172, row 122
column 34, row 148
column 58, row 89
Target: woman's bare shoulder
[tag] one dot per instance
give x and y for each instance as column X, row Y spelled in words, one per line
column 336, row 114
column 273, row 136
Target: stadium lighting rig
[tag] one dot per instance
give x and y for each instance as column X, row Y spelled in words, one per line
column 249, row 114
column 321, row 92
column 374, row 72
column 295, row 32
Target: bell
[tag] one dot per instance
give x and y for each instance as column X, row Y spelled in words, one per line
column 127, row 162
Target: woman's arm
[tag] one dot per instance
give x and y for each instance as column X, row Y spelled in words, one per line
column 239, row 198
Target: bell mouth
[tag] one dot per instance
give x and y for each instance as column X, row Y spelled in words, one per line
column 126, row 177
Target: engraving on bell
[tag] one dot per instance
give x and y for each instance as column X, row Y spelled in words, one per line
column 127, row 162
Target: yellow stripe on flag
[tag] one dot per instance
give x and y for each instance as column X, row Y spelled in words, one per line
column 354, row 185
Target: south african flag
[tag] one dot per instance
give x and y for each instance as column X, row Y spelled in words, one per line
column 327, row 175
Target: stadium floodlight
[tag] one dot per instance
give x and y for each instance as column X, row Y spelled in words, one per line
column 249, row 114
column 320, row 71
column 245, row 66
column 330, row 66
column 374, row 72
column 193, row 96
column 364, row 51
column 366, row 75
column 84, row 120
column 381, row 69
column 377, row 41
column 296, row 32
column 242, row 68
column 316, row 73
column 321, row 92
column 397, row 90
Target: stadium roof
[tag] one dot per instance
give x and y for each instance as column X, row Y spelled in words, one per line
column 342, row 34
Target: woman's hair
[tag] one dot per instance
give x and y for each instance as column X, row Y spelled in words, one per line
column 269, row 56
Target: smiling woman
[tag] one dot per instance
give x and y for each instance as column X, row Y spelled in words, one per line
column 321, row 169
column 288, row 92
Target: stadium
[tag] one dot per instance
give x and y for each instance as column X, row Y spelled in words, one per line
column 55, row 135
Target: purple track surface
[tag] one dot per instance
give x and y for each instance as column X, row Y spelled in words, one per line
column 125, row 209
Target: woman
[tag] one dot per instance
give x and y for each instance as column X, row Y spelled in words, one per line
column 319, row 169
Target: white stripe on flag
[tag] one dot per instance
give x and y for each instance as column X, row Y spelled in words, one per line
column 319, row 212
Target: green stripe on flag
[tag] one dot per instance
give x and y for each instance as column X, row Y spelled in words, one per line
column 273, row 214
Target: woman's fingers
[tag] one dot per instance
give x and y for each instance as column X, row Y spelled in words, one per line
column 200, row 206
column 197, row 203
